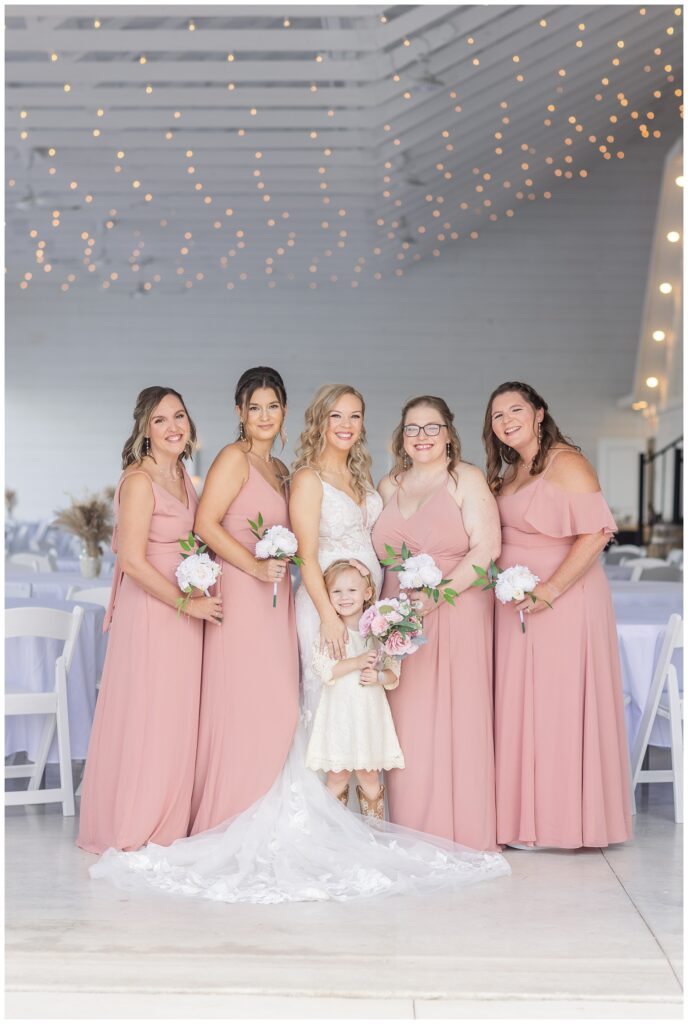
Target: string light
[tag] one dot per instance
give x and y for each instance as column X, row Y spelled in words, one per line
column 658, row 335
column 652, row 382
column 665, row 288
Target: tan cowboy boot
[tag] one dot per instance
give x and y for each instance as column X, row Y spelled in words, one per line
column 372, row 808
column 343, row 797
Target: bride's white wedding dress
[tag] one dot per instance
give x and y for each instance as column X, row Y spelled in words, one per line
column 298, row 842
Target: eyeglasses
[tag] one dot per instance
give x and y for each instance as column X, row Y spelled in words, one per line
column 430, row 429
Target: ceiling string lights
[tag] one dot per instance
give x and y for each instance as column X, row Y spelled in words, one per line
column 343, row 164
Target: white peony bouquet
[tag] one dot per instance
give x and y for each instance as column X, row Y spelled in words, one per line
column 419, row 572
column 512, row 584
column 274, row 542
column 196, row 571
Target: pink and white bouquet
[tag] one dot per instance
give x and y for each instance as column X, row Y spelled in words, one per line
column 395, row 624
column 512, row 584
column 196, row 571
column 275, row 542
column 419, row 572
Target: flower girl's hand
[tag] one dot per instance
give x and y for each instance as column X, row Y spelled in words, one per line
column 366, row 660
column 270, row 570
column 369, row 677
column 209, row 608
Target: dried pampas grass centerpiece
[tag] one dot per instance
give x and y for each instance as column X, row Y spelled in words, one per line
column 90, row 519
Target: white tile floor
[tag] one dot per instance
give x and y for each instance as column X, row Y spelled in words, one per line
column 569, row 935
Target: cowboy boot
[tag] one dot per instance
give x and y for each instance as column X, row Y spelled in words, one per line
column 343, row 797
column 374, row 808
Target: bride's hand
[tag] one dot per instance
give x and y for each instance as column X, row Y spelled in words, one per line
column 333, row 638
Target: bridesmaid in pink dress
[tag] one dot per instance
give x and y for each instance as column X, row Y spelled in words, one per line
column 139, row 770
column 561, row 754
column 250, row 689
column 442, row 708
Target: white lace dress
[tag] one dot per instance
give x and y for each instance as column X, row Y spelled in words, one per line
column 298, row 842
column 353, row 726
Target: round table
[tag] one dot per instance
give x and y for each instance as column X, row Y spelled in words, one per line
column 54, row 584
column 642, row 611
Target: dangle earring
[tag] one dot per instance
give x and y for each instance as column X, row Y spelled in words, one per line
column 539, row 433
column 449, row 450
column 146, row 446
column 242, row 435
column 407, row 460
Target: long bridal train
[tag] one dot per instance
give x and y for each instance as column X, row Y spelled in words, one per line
column 299, row 843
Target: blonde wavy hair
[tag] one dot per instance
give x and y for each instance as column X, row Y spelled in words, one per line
column 335, row 569
column 312, row 441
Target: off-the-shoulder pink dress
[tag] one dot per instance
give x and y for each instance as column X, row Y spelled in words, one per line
column 560, row 739
column 250, row 688
column 442, row 708
column 141, row 754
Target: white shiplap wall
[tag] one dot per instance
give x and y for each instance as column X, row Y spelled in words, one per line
column 553, row 297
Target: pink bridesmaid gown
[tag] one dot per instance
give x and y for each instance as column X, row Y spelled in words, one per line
column 141, row 754
column 250, row 688
column 442, row 708
column 561, row 755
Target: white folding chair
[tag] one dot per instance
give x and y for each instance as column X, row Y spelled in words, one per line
column 33, row 561
column 636, row 565
column 618, row 552
column 664, row 700
column 675, row 557
column 17, row 588
column 92, row 595
column 663, row 573
column 52, row 624
column 627, row 701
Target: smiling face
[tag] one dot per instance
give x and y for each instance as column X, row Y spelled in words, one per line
column 348, row 592
column 168, row 428
column 264, row 415
column 423, row 448
column 344, row 423
column 514, row 420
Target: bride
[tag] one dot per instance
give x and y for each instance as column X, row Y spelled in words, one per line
column 297, row 842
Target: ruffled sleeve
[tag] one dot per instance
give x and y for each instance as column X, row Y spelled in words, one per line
column 558, row 513
column 394, row 665
column 322, row 665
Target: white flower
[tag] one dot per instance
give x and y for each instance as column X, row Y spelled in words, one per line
column 514, row 583
column 276, row 539
column 419, row 571
column 197, row 571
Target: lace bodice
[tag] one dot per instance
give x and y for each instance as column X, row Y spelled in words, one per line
column 345, row 529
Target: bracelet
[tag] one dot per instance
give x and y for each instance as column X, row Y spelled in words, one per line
column 557, row 593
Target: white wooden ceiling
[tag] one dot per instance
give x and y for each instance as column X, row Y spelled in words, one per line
column 171, row 147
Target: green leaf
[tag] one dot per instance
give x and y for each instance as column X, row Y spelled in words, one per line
column 184, row 544
column 191, row 539
column 405, row 552
column 435, row 595
column 449, row 598
column 480, row 572
column 532, row 597
column 260, row 519
column 390, row 551
column 494, row 568
column 203, row 547
column 254, row 526
column 297, row 560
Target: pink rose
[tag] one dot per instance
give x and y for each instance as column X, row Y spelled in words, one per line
column 364, row 624
column 378, row 625
column 394, row 617
column 397, row 644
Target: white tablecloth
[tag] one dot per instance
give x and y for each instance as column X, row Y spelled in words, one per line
column 56, row 584
column 642, row 612
column 30, row 665
column 614, row 572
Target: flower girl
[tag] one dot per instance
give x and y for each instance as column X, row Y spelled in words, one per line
column 353, row 729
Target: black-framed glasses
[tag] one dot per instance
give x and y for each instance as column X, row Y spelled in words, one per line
column 430, row 429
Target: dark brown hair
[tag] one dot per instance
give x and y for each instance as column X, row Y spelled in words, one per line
column 146, row 403
column 441, row 407
column 499, row 453
column 249, row 382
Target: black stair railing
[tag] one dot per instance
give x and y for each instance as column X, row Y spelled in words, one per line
column 668, row 458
